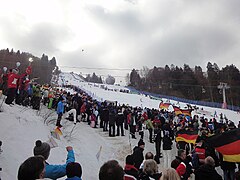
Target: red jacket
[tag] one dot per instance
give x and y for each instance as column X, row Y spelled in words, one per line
column 201, row 152
column 12, row 80
column 181, row 169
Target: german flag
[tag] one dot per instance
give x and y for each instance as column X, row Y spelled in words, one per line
column 164, row 105
column 186, row 112
column 228, row 144
column 177, row 110
column 187, row 136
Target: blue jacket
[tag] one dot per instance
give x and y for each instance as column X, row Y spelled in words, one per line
column 58, row 171
column 74, row 178
column 60, row 107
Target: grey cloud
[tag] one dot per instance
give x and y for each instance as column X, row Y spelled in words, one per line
column 41, row 38
column 191, row 45
column 120, row 23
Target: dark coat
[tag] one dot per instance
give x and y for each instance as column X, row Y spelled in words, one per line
column 207, row 172
column 138, row 156
column 119, row 119
column 105, row 115
column 167, row 143
column 158, row 137
column 112, row 118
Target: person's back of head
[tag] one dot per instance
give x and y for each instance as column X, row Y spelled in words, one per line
column 210, row 161
column 74, row 169
column 149, row 155
column 150, row 167
column 182, row 154
column 111, row 170
column 32, row 168
column 141, row 144
column 129, row 160
column 170, row 174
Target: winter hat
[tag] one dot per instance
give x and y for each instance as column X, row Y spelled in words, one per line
column 73, row 169
column 140, row 142
column 41, row 148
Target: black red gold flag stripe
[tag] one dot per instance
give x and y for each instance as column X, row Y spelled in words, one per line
column 177, row 110
column 186, row 112
column 228, row 144
column 164, row 105
column 187, row 136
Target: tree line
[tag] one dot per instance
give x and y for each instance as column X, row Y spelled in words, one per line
column 42, row 68
column 189, row 83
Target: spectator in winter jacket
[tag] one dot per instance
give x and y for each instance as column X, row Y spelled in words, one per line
column 111, row 170
column 132, row 117
column 60, row 109
column 12, row 86
column 105, row 118
column 32, row 168
column 119, row 123
column 167, row 144
column 158, row 142
column 138, row 153
column 36, row 97
column 74, row 171
column 83, row 111
column 112, row 121
column 179, row 158
column 182, row 164
column 150, row 128
column 129, row 169
column 207, row 171
column 53, row 171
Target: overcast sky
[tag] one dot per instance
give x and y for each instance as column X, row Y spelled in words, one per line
column 124, row 33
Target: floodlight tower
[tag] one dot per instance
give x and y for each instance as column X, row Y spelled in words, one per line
column 223, row 87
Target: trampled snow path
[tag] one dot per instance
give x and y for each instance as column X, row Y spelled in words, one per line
column 21, row 127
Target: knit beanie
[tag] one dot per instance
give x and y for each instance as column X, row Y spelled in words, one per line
column 41, row 148
column 73, row 169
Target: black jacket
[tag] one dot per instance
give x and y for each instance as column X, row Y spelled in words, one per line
column 207, row 172
column 167, row 143
column 119, row 119
column 112, row 118
column 105, row 115
column 138, row 156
